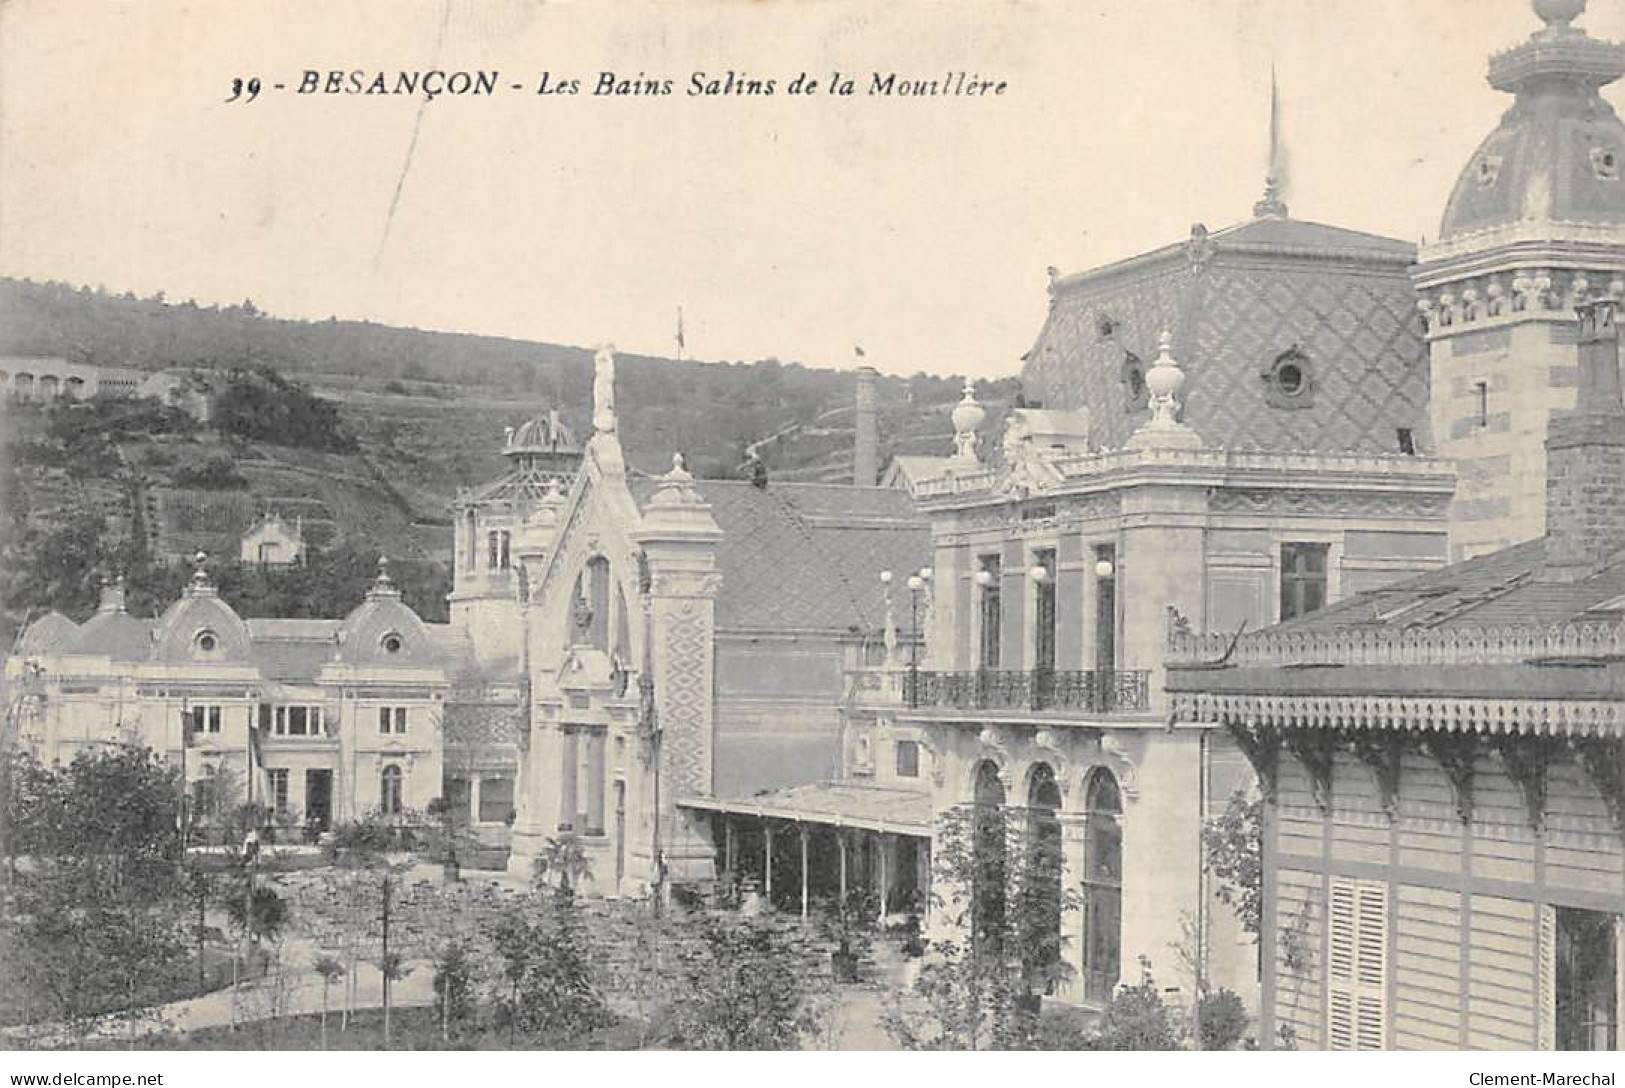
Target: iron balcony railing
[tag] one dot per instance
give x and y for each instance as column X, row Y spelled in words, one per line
column 1094, row 692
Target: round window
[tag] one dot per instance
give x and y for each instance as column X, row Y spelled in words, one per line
column 207, row 642
column 392, row 643
column 1289, row 376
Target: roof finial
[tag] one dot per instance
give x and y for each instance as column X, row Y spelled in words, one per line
column 1271, row 205
column 200, row 575
column 1559, row 13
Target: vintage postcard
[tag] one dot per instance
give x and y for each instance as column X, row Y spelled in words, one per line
column 812, row 526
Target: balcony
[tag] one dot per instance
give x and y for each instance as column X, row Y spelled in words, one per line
column 1046, row 691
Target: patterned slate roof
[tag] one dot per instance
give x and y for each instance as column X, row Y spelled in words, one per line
column 1235, row 301
column 48, row 634
column 117, row 635
column 801, row 556
column 1501, row 589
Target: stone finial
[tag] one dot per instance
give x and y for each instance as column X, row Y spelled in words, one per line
column 1558, row 13
column 383, row 585
column 677, row 487
column 1163, row 381
column 967, row 415
column 199, row 585
column 112, row 595
column 603, row 389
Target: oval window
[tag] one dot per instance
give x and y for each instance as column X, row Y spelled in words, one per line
column 1290, row 378
column 207, row 642
column 392, row 643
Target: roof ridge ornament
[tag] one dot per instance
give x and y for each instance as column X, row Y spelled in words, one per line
column 967, row 415
column 603, row 389
column 383, row 586
column 1271, row 206
column 200, row 585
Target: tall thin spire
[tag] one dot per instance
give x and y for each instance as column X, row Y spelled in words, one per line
column 1271, row 203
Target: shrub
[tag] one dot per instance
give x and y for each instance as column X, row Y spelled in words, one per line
column 1223, row 1019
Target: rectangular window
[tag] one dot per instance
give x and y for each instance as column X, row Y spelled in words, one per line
column 278, row 777
column 1303, row 578
column 383, row 719
column 504, row 557
column 281, row 727
column 568, row 772
column 214, row 719
column 315, row 721
column 265, row 717
column 908, row 759
column 496, row 800
column 1584, row 981
column 1357, row 965
column 1105, row 608
column 593, row 824
column 400, row 719
column 1044, row 610
column 493, row 550
column 991, row 611
column 297, row 721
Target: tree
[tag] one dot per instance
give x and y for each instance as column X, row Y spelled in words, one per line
column 90, row 925
column 743, row 982
column 330, row 969
column 546, row 964
column 1233, row 843
column 1000, row 883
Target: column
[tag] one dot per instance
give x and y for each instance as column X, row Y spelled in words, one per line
column 473, row 797
column 840, row 841
column 730, row 846
column 803, row 829
column 767, row 862
column 882, row 844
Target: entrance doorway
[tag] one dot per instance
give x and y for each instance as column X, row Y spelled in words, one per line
column 319, row 799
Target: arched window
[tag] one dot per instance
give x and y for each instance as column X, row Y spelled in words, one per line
column 389, row 790
column 598, row 601
column 1102, row 886
column 1041, row 887
column 987, row 858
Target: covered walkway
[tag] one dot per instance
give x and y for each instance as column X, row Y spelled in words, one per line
column 808, row 843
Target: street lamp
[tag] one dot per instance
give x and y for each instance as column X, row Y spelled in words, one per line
column 916, row 582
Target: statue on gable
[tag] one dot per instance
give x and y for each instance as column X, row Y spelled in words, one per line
column 603, row 389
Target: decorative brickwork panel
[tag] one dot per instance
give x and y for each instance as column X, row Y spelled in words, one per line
column 683, row 692
column 1357, row 329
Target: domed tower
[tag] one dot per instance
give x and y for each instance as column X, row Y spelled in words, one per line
column 1534, row 226
column 543, row 455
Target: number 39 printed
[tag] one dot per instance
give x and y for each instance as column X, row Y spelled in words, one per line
column 241, row 87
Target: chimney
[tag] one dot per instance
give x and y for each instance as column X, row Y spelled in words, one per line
column 1585, row 455
column 112, row 598
column 866, row 440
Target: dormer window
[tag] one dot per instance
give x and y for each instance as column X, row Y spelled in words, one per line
column 1605, row 163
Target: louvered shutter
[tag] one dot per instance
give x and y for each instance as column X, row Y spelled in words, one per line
column 1357, row 966
column 1619, row 982
column 1342, row 922
column 1371, row 966
column 1546, row 964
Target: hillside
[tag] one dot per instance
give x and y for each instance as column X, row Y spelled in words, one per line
column 419, row 414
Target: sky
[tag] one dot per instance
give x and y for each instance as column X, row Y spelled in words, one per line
column 788, row 226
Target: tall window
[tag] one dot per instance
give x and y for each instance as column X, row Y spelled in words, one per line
column 389, row 790
column 1303, row 578
column 493, row 549
column 391, row 719
column 1041, row 944
column 206, row 719
column 1357, row 965
column 1105, row 607
column 504, row 550
column 593, row 812
column 598, row 601
column 992, row 613
column 1102, row 886
column 1044, row 610
column 470, row 543
column 908, row 759
column 278, row 777
column 1586, row 984
column 569, row 771
column 987, row 859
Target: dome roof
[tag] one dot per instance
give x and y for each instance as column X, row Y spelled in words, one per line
column 1558, row 155
column 51, row 633
column 202, row 627
column 117, row 635
column 383, row 630
column 544, row 434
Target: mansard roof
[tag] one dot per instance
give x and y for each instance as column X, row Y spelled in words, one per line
column 1236, row 301
column 799, row 556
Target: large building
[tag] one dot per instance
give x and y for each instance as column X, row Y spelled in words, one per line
column 320, row 720
column 1444, row 767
